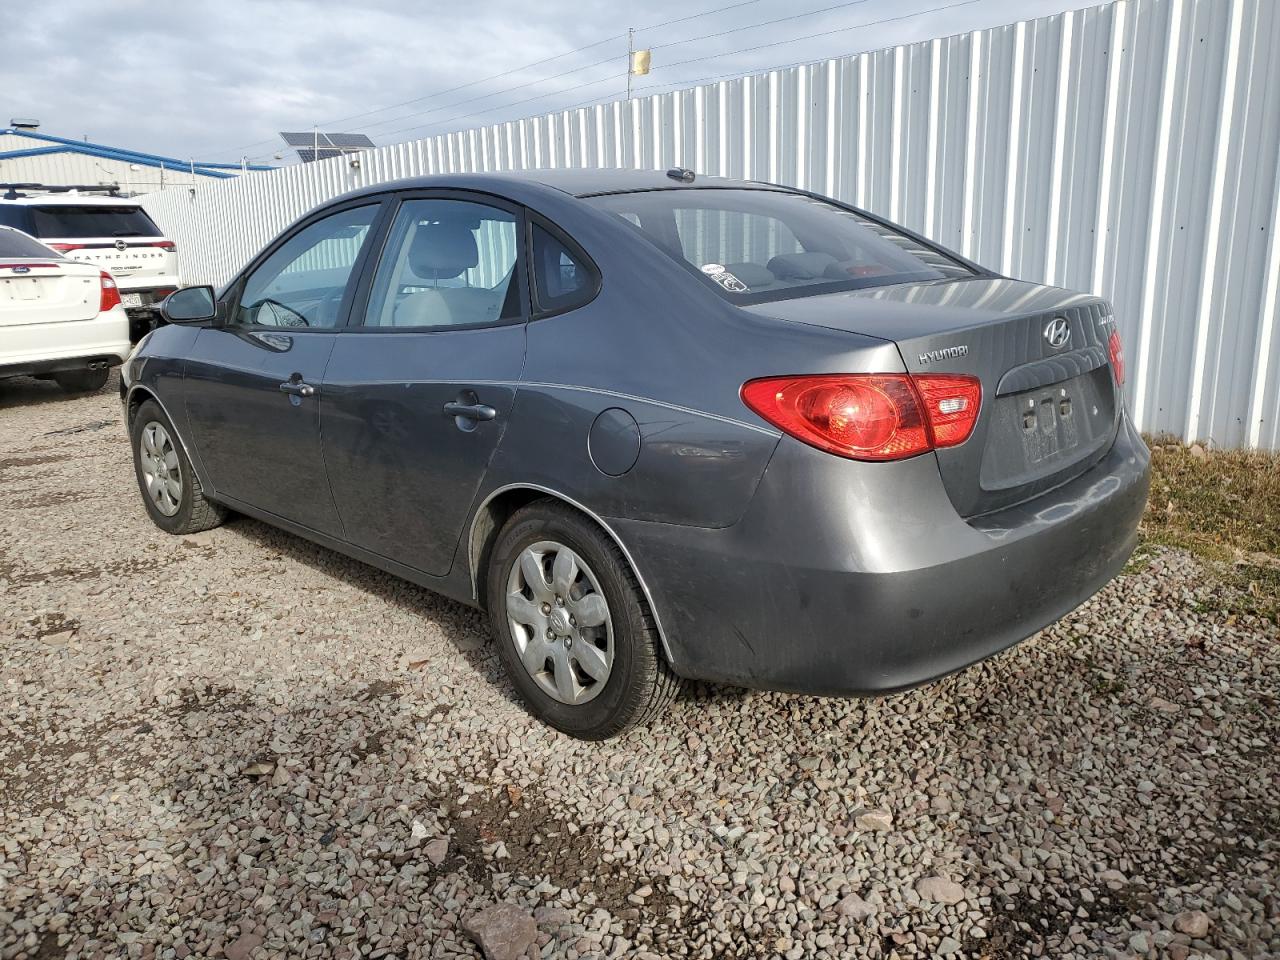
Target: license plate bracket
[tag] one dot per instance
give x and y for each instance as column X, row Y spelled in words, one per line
column 1049, row 426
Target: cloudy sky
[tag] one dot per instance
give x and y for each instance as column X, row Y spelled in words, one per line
column 217, row 80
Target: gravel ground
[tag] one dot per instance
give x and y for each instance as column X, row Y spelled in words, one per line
column 240, row 745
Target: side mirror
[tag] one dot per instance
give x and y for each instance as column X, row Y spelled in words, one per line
column 189, row 305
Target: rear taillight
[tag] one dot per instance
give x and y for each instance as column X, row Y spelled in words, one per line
column 66, row 247
column 876, row 416
column 951, row 406
column 166, row 245
column 1116, row 351
column 110, row 294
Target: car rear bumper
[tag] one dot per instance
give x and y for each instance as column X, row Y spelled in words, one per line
column 41, row 348
column 854, row 578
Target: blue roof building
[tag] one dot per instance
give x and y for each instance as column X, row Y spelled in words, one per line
column 28, row 156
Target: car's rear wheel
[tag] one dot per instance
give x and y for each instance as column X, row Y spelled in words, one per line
column 82, row 381
column 574, row 630
column 170, row 489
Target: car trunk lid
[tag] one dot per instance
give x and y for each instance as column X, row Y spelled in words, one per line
column 46, row 291
column 1050, row 405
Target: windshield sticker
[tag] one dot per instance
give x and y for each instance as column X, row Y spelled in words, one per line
column 711, row 269
column 730, row 282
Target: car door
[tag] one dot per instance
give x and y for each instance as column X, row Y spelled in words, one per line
column 420, row 383
column 252, row 385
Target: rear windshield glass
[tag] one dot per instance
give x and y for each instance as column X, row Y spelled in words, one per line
column 758, row 245
column 83, row 223
column 15, row 244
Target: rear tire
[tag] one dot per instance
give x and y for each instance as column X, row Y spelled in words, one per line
column 82, row 381
column 563, row 598
column 170, row 489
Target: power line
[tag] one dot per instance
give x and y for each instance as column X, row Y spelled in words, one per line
column 502, row 106
column 823, row 33
column 753, row 26
column 498, row 76
column 716, row 56
column 589, row 66
column 521, row 86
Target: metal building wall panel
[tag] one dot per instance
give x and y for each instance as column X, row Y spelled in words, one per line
column 1132, row 149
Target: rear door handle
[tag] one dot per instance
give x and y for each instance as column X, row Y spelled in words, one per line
column 297, row 388
column 470, row 411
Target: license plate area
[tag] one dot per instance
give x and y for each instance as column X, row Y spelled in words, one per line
column 24, row 288
column 1049, row 425
column 1041, row 432
column 131, row 299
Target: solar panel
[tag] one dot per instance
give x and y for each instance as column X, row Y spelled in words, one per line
column 343, row 141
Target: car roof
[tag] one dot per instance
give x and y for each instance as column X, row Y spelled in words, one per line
column 574, row 183
column 586, row 182
column 71, row 200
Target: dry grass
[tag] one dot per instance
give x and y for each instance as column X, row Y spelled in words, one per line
column 1223, row 506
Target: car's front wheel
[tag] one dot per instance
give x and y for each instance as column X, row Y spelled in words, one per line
column 574, row 630
column 82, row 381
column 170, row 489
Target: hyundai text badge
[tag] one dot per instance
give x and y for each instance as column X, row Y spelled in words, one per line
column 946, row 353
column 1057, row 332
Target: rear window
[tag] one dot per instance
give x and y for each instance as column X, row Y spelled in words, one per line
column 89, row 222
column 753, row 246
column 18, row 245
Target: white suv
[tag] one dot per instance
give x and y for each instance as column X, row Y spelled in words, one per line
column 94, row 225
column 59, row 319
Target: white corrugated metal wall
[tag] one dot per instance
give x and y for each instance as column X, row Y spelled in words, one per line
column 1131, row 149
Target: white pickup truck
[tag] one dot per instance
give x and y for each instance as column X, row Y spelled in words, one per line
column 59, row 319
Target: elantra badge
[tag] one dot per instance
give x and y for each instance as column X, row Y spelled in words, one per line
column 1057, row 332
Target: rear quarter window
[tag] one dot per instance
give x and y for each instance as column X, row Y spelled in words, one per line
column 564, row 278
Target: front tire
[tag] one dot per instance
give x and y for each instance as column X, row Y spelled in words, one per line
column 170, row 489
column 575, row 633
column 82, row 381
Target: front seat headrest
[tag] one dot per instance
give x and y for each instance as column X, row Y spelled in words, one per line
column 442, row 251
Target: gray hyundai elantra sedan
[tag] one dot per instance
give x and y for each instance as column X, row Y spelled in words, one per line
column 658, row 426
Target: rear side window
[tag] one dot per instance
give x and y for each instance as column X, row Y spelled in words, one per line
column 563, row 277
column 753, row 246
column 88, row 222
column 448, row 263
column 15, row 244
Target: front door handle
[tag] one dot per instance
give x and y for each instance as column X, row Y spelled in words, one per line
column 470, row 411
column 297, row 388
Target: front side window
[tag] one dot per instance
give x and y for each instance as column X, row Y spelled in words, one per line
column 447, row 263
column 69, row 222
column 752, row 246
column 303, row 283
